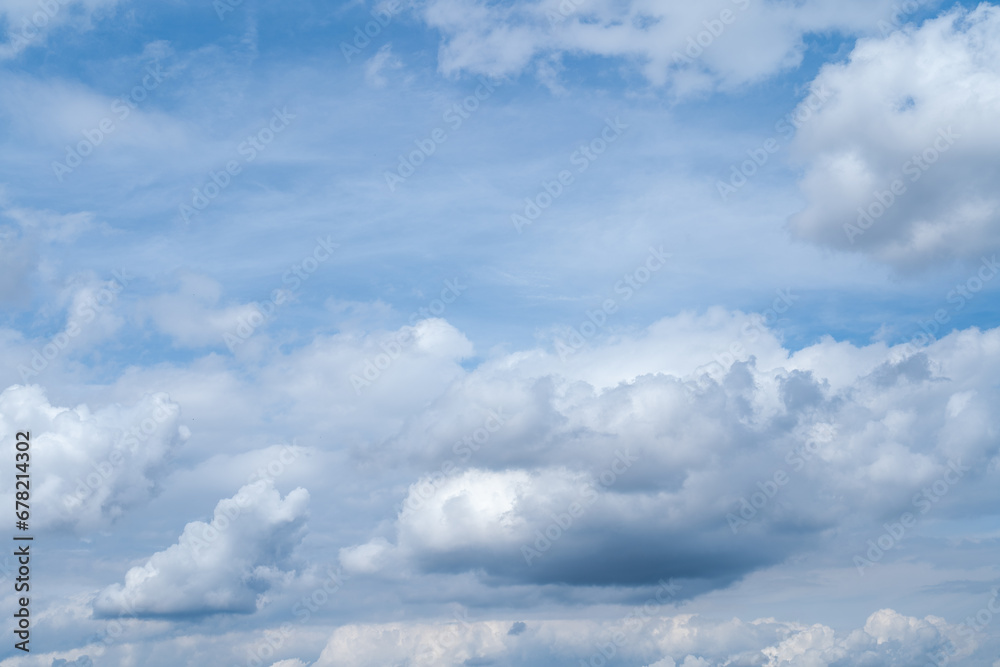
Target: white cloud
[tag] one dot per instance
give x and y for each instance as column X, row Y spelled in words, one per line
column 917, row 108
column 883, row 430
column 377, row 64
column 888, row 639
column 222, row 566
column 89, row 467
column 19, row 246
column 50, row 226
column 722, row 42
column 665, row 460
column 367, row 382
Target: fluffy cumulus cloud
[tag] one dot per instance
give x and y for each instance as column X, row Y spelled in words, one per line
column 221, row 566
column 900, row 162
column 546, row 474
column 193, row 316
column 693, row 45
column 888, row 639
column 90, row 466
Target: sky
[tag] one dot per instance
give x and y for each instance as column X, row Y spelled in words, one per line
column 625, row 333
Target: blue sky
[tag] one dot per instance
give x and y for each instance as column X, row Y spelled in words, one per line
column 620, row 292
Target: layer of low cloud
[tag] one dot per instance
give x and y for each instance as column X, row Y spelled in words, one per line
column 888, row 639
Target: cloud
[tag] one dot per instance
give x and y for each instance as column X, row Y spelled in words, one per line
column 82, row 661
column 193, row 317
column 694, row 46
column 900, row 162
column 377, row 64
column 218, row 567
column 365, row 382
column 18, row 257
column 49, row 226
column 21, row 242
column 90, row 466
column 872, row 425
column 74, row 128
column 686, row 471
column 30, row 21
column 888, row 639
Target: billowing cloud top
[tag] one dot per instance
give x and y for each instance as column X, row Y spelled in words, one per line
column 901, row 161
column 221, row 566
column 92, row 465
